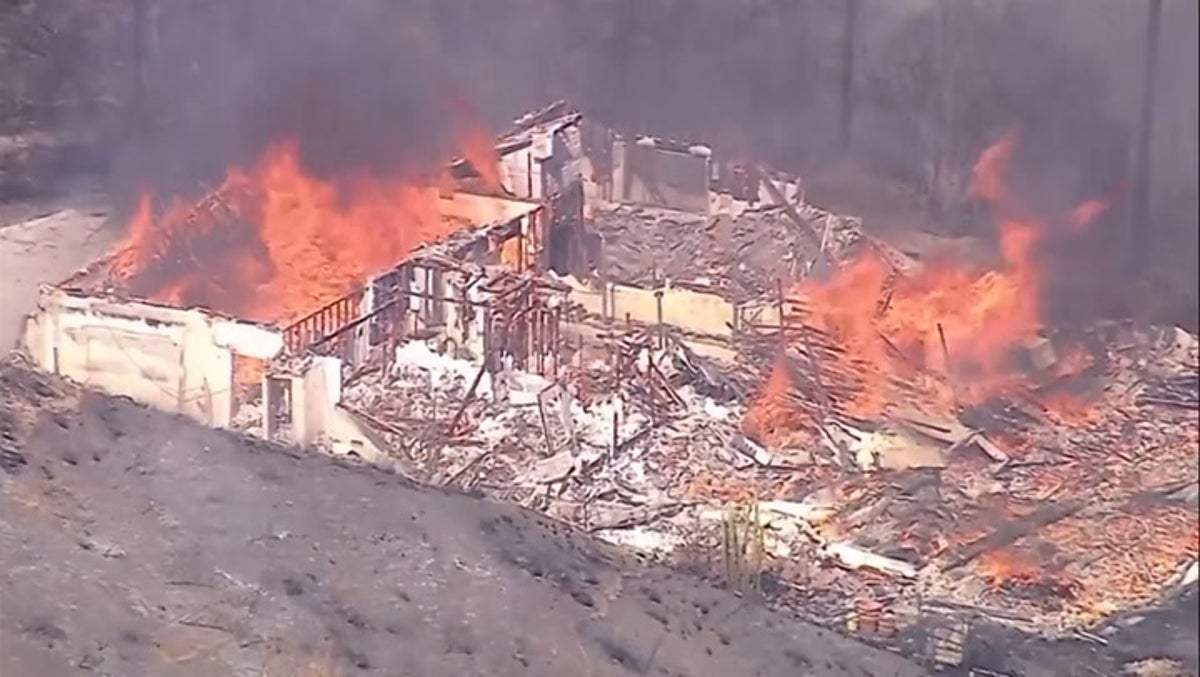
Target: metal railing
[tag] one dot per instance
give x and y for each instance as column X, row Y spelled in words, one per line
column 323, row 322
column 352, row 343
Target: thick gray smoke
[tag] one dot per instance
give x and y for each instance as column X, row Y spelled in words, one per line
column 354, row 84
column 345, row 88
column 366, row 83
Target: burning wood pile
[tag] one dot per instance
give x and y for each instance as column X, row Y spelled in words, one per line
column 968, row 455
column 907, row 510
column 1004, row 505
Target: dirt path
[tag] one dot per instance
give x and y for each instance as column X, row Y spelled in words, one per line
column 134, row 543
column 45, row 242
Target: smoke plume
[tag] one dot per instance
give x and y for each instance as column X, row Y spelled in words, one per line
column 355, row 85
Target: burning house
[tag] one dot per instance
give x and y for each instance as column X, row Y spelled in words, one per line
column 638, row 338
column 201, row 300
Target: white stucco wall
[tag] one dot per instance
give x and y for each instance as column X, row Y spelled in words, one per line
column 179, row 361
column 483, row 210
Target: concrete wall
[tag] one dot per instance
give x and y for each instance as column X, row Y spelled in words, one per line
column 521, row 168
column 179, row 361
column 314, row 395
column 346, row 434
column 317, row 414
column 483, row 210
column 697, row 312
column 792, row 191
column 646, row 174
column 621, row 170
column 542, row 161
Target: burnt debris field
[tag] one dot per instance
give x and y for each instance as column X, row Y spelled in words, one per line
column 133, row 542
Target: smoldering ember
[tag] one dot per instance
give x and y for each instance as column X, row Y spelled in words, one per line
column 681, row 355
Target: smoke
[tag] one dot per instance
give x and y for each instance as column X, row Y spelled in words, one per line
column 355, row 85
column 367, row 85
column 364, row 83
column 351, row 94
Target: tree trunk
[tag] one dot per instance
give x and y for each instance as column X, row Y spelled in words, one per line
column 1139, row 232
column 847, row 95
column 941, row 111
column 141, row 27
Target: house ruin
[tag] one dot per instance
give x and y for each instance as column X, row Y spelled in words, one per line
column 641, row 337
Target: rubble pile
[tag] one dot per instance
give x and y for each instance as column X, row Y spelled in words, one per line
column 1057, row 505
column 1043, row 516
column 886, row 484
column 743, row 255
column 547, row 445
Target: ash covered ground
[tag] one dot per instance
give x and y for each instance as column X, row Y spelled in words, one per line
column 135, row 543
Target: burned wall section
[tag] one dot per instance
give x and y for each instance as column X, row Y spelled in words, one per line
column 433, row 294
column 570, row 245
column 581, row 168
column 176, row 360
column 460, row 301
column 463, row 296
column 543, row 153
column 660, row 173
column 695, row 311
column 545, row 157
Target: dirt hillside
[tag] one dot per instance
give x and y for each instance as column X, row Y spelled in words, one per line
column 136, row 543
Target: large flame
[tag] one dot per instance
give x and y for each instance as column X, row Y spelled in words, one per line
column 479, row 149
column 949, row 319
column 274, row 243
column 476, row 145
column 772, row 413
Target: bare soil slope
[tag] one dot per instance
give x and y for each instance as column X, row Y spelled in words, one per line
column 135, row 543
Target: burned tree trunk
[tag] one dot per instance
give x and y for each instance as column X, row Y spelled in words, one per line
column 941, row 191
column 1139, row 240
column 140, row 29
column 846, row 117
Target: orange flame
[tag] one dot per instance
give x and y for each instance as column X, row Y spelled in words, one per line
column 956, row 321
column 274, row 243
column 1008, row 565
column 479, row 149
column 772, row 411
column 1071, row 410
column 477, row 146
column 1083, row 215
